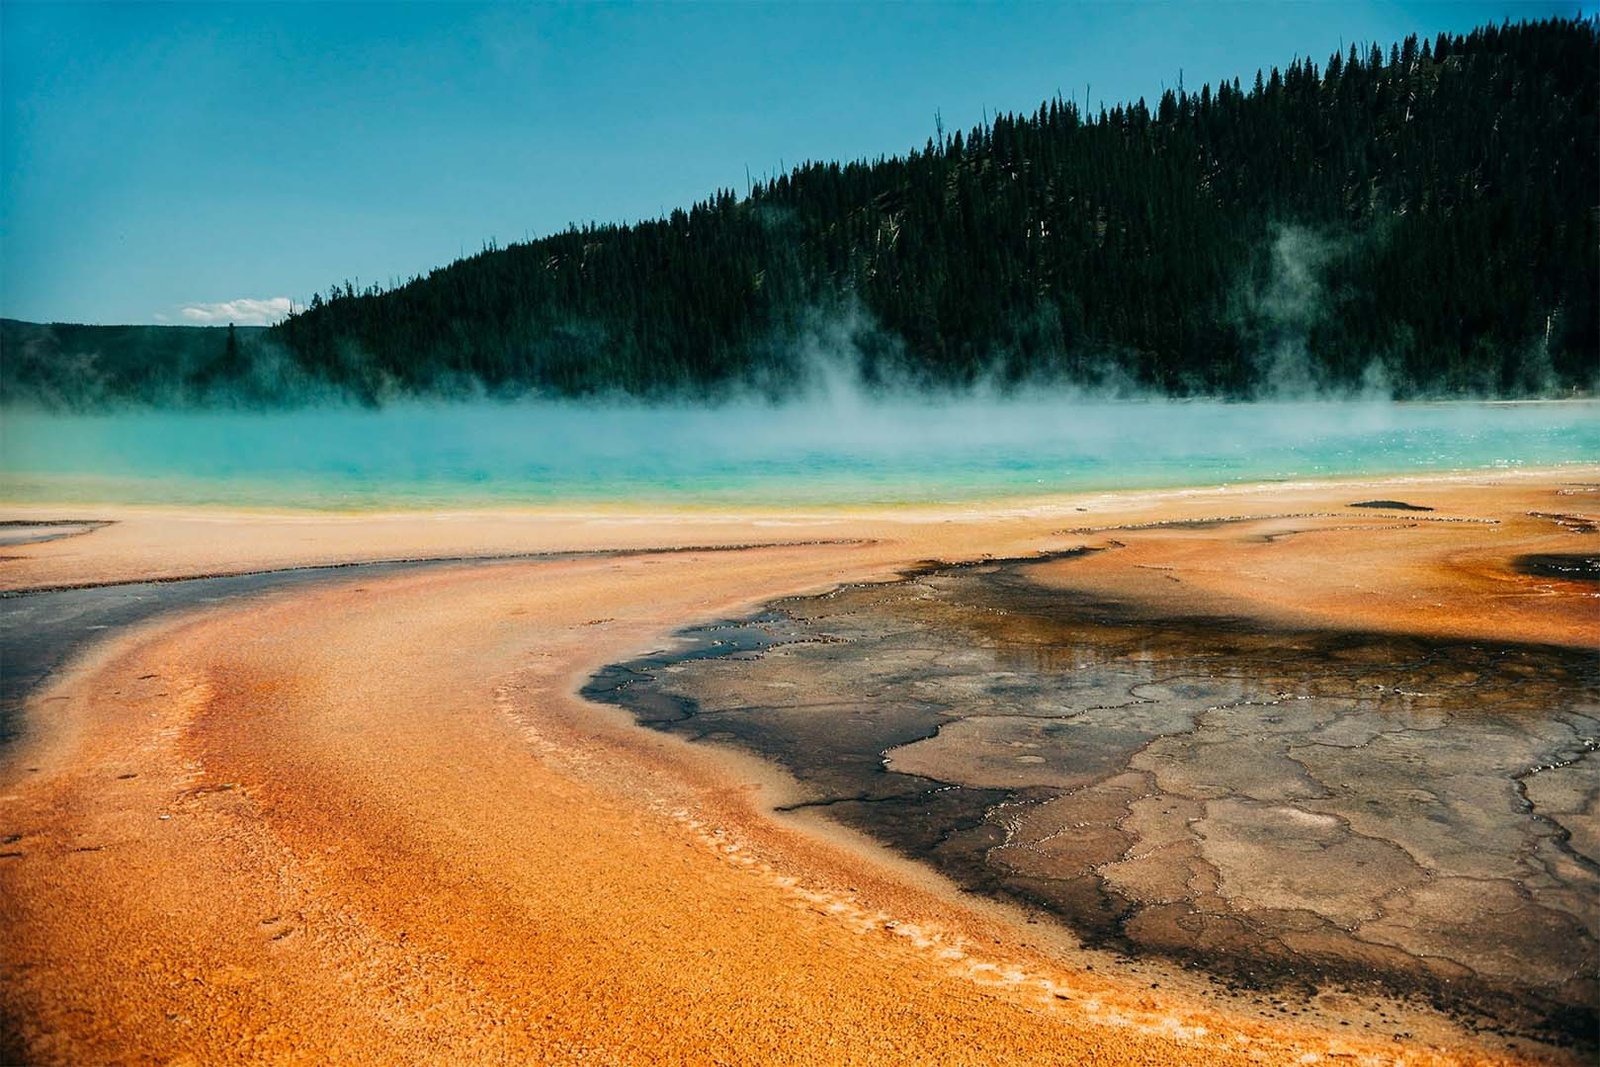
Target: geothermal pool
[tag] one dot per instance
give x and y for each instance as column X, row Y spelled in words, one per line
column 846, row 450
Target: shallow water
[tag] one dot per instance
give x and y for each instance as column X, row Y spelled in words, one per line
column 1284, row 809
column 845, row 450
column 43, row 629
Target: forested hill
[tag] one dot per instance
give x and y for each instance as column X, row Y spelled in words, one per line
column 1423, row 217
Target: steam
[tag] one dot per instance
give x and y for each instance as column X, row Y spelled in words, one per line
column 1277, row 316
column 837, row 359
column 845, row 418
column 844, row 357
column 1292, row 304
column 844, row 360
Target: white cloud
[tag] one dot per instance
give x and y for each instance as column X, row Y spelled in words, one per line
column 243, row 312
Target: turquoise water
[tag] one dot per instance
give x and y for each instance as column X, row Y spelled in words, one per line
column 842, row 452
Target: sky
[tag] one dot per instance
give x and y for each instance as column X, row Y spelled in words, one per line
column 214, row 163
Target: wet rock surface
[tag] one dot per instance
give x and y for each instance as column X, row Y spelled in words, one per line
column 1390, row 505
column 1287, row 810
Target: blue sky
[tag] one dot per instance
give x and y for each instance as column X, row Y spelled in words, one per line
column 168, row 162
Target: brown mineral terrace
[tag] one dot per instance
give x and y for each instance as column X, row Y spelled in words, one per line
column 371, row 821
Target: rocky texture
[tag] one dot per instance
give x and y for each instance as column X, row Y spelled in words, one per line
column 1284, row 808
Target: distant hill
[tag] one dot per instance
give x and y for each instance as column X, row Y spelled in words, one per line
column 62, row 365
column 1424, row 220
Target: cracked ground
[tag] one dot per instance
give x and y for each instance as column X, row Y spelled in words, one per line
column 1284, row 808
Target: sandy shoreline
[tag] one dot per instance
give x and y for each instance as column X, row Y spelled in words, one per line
column 371, row 821
column 155, row 542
